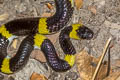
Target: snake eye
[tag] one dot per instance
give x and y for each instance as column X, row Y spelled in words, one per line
column 85, row 33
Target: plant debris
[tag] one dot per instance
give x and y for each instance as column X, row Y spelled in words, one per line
column 78, row 4
column 36, row 76
column 87, row 64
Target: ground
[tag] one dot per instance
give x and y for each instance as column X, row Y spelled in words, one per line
column 102, row 16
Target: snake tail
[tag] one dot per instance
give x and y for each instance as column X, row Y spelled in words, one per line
column 10, row 65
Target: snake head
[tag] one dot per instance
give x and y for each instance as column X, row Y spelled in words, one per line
column 85, row 33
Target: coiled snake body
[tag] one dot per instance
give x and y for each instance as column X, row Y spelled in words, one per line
column 35, row 29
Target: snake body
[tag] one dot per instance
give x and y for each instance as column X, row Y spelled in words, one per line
column 35, row 29
column 57, row 64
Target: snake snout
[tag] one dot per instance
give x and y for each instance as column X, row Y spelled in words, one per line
column 90, row 35
column 85, row 33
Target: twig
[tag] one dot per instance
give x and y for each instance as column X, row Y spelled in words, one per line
column 101, row 59
column 108, row 69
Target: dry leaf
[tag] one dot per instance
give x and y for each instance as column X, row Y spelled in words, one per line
column 36, row 76
column 116, row 74
column 46, row 14
column 3, row 16
column 116, row 64
column 78, row 3
column 113, row 76
column 92, row 9
column 14, row 44
column 80, row 21
column 38, row 55
column 53, row 37
column 49, row 6
column 87, row 64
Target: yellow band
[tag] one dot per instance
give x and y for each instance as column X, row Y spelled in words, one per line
column 72, row 3
column 73, row 33
column 38, row 40
column 70, row 59
column 5, row 68
column 4, row 32
column 42, row 27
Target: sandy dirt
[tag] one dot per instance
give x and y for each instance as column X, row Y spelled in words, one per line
column 105, row 23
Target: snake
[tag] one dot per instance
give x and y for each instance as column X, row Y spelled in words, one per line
column 34, row 29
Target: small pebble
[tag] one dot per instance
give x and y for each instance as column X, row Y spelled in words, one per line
column 55, row 76
column 71, row 76
column 11, row 78
column 1, row 77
